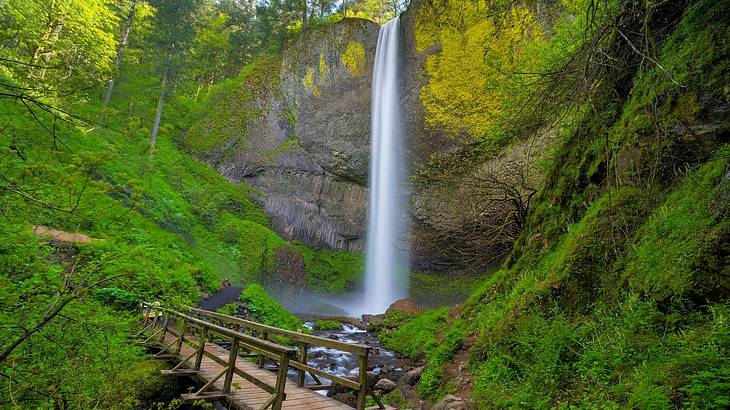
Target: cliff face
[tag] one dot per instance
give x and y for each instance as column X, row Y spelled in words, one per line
column 296, row 128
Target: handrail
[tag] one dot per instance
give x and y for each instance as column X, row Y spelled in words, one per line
column 355, row 348
column 271, row 349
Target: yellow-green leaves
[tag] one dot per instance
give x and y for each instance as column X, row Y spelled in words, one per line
column 354, row 59
column 468, row 78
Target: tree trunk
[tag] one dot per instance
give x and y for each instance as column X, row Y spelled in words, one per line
column 160, row 103
column 304, row 14
column 118, row 60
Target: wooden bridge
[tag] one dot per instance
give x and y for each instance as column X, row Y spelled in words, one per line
column 195, row 339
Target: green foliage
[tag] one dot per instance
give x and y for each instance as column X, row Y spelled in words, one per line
column 331, row 271
column 614, row 296
column 229, row 309
column 489, row 60
column 417, row 335
column 354, row 59
column 327, row 325
column 430, row 290
column 232, row 107
column 117, row 298
column 267, row 310
column 667, row 260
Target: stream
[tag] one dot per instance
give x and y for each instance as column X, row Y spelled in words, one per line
column 345, row 364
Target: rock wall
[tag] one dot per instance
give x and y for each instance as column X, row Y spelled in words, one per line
column 305, row 144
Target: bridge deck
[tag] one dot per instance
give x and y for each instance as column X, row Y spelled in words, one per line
column 247, row 396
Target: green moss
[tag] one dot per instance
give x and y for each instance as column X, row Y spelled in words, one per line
column 232, row 107
column 324, row 70
column 416, row 335
column 327, row 325
column 667, row 258
column 430, row 290
column 331, row 271
column 354, row 59
column 256, row 245
column 267, row 310
column 229, row 309
column 308, row 83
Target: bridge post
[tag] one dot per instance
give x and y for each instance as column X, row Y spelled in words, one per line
column 201, row 349
column 363, row 379
column 182, row 337
column 166, row 322
column 302, row 360
column 281, row 382
column 262, row 358
column 231, row 366
column 145, row 314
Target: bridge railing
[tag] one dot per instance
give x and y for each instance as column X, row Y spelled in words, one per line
column 184, row 328
column 303, row 341
column 255, row 337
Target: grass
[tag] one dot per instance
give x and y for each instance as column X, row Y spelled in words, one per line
column 327, row 325
column 267, row 310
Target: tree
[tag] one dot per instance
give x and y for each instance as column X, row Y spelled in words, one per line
column 175, row 25
column 57, row 44
column 120, row 54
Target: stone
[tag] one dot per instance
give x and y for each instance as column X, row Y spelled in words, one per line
column 374, row 322
column 385, row 385
column 347, row 398
column 406, row 305
column 372, row 379
column 411, row 377
column 451, row 402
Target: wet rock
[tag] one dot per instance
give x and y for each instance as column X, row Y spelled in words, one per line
column 372, row 379
column 374, row 322
column 451, row 402
column 347, row 398
column 411, row 377
column 333, row 337
column 406, row 305
column 330, row 100
column 385, row 385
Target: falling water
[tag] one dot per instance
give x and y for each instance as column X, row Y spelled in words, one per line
column 386, row 259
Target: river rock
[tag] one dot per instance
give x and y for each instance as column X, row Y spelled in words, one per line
column 406, row 305
column 374, row 322
column 385, row 385
column 411, row 377
column 451, row 402
column 347, row 398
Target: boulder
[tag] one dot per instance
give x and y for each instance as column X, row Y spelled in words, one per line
column 411, row 377
column 451, row 402
column 385, row 385
column 347, row 398
column 374, row 322
column 406, row 305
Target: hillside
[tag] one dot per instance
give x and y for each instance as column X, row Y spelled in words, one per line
column 568, row 184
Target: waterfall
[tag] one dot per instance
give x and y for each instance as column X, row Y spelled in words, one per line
column 386, row 263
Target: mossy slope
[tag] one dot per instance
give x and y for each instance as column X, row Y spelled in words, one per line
column 616, row 294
